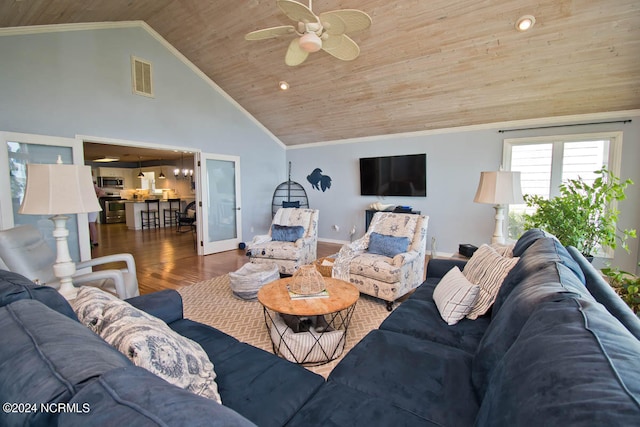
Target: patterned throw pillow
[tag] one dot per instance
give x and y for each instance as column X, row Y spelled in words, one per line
column 89, row 305
column 149, row 343
column 455, row 296
column 487, row 269
column 503, row 249
column 390, row 246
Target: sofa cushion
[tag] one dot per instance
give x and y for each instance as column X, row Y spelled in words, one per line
column 389, row 246
column 506, row 325
column 421, row 319
column 264, row 388
column 572, row 364
column 339, row 405
column 544, row 251
column 455, row 296
column 487, row 269
column 527, row 239
column 133, row 396
column 166, row 305
column 49, row 359
column 286, row 233
column 149, row 343
column 14, row 287
column 604, row 293
column 277, row 250
column 430, row 380
column 376, row 267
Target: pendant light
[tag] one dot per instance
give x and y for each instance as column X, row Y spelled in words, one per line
column 161, row 176
column 140, row 175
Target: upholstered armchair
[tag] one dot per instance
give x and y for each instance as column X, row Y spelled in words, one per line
column 292, row 240
column 23, row 250
column 388, row 261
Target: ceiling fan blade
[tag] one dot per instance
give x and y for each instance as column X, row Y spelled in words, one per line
column 295, row 54
column 269, row 33
column 297, row 11
column 341, row 47
column 345, row 21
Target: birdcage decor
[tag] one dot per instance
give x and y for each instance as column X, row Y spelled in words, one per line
column 307, row 280
column 289, row 194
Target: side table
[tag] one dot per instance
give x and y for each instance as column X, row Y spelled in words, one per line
column 325, row 340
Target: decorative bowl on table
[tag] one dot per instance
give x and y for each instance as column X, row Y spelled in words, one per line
column 307, row 280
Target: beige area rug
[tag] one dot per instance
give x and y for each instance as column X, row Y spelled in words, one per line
column 211, row 302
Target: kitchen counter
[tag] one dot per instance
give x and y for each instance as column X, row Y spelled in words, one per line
column 134, row 207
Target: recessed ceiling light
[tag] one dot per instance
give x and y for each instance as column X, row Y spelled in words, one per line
column 283, row 85
column 107, row 159
column 525, row 23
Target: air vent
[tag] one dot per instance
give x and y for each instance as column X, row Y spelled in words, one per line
column 141, row 77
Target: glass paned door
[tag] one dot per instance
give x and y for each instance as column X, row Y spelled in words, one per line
column 17, row 151
column 220, row 177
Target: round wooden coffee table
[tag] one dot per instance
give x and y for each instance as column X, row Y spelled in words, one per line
column 308, row 330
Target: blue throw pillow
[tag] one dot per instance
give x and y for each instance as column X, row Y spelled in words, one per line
column 295, row 204
column 390, row 246
column 285, row 233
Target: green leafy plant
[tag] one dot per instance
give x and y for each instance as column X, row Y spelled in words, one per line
column 583, row 214
column 627, row 285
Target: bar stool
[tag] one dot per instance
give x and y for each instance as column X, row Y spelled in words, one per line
column 151, row 216
column 169, row 214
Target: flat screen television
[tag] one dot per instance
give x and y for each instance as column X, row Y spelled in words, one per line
column 394, row 176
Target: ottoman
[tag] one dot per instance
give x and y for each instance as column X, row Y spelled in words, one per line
column 248, row 279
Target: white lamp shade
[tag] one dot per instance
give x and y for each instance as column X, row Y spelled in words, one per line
column 499, row 188
column 56, row 189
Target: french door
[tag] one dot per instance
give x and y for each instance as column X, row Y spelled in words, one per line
column 16, row 151
column 219, row 220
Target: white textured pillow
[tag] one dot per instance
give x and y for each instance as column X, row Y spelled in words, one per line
column 455, row 296
column 487, row 269
column 149, row 343
column 306, row 347
column 89, row 305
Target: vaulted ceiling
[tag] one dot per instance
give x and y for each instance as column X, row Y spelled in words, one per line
column 423, row 64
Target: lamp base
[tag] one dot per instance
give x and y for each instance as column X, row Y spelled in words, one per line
column 64, row 268
column 498, row 236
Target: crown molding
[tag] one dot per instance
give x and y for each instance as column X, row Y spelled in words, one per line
column 543, row 121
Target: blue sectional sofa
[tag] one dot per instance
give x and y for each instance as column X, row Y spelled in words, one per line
column 47, row 356
column 550, row 353
column 558, row 348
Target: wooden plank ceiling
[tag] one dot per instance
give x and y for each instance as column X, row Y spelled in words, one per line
column 423, row 64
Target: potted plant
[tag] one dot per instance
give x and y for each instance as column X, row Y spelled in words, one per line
column 627, row 285
column 583, row 215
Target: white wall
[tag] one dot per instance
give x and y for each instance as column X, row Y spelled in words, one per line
column 454, row 162
column 79, row 83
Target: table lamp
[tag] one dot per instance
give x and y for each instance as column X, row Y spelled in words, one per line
column 499, row 188
column 58, row 189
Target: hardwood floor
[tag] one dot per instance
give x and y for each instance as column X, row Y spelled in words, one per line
column 166, row 259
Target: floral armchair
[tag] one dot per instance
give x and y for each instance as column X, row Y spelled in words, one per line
column 388, row 261
column 292, row 240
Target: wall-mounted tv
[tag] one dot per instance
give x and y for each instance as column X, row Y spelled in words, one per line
column 394, row 176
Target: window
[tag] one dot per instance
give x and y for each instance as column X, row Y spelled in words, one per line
column 546, row 162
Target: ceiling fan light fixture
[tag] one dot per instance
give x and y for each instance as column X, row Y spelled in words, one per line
column 525, row 23
column 310, row 42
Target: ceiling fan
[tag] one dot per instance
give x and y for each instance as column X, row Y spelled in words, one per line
column 325, row 31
